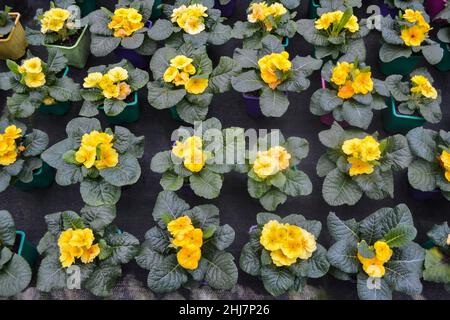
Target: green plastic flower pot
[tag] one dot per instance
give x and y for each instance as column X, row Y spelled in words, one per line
column 312, row 9
column 86, row 6
column 444, row 65
column 174, row 114
column 130, row 114
column 285, row 42
column 42, row 178
column 59, row 108
column 395, row 122
column 156, row 12
column 428, row 244
column 77, row 54
column 403, row 66
column 25, row 249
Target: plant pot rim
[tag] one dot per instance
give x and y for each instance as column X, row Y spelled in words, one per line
column 21, row 235
column 401, row 115
column 315, row 4
column 249, row 97
column 73, row 46
column 17, row 14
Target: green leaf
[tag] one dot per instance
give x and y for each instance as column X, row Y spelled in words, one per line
column 166, row 276
column 422, row 144
column 221, row 272
column 99, row 192
column 249, row 261
column 77, row 127
column 272, row 199
column 356, row 114
column 56, row 61
column 171, row 181
column 220, row 78
column 297, row 184
column 137, row 78
column 219, row 34
column 162, row 97
column 314, row 267
column 365, row 251
column 124, row 247
column 206, row 184
column 278, row 180
column 400, row 236
column 51, row 275
column 103, row 279
column 422, row 175
column 161, row 30
column 373, row 288
column 246, row 58
column 342, row 255
column 276, row 280
column 71, row 220
column 204, row 216
column 247, row 82
column 126, row 172
column 98, row 217
column 389, row 52
column 339, row 189
column 157, row 239
column 7, row 229
column 113, row 107
column 436, row 269
column 161, row 162
column 133, row 42
column 439, row 234
column 102, row 46
column 273, row 103
column 14, row 276
column 257, row 189
column 223, row 237
column 433, row 53
column 65, row 89
column 333, row 137
column 35, row 143
column 169, row 203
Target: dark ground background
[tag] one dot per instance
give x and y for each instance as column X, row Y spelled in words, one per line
column 236, row 206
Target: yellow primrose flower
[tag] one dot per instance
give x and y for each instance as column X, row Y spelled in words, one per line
column 180, row 62
column 413, row 36
column 265, row 166
column 272, row 235
column 12, row 132
column 271, row 64
column 421, row 85
column 48, row 101
column 92, row 80
column 191, row 18
column 188, row 257
column 117, row 74
column 181, row 79
column 58, row 13
column 190, row 69
column 33, row 65
column 134, row 16
column 94, row 138
column 370, row 149
column 181, row 149
column 325, row 21
column 374, row 270
column 82, row 238
column 415, row 16
column 445, row 159
column 170, row 74
column 192, row 237
column 383, row 251
column 448, row 239
column 341, row 72
column 281, row 156
column 179, row 225
column 194, row 160
column 196, row 85
column 258, row 12
column 352, row 147
column 111, row 91
column 90, row 254
column 86, row 155
column 54, row 19
column 124, row 91
column 281, row 260
column 109, row 158
column 125, row 22
column 346, row 91
column 363, row 83
column 277, row 9
column 8, row 158
column 194, row 25
column 359, row 167
column 34, row 80
column 352, row 24
column 66, row 258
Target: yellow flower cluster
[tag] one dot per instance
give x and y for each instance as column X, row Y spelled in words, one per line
column 414, row 35
column 374, row 267
column 180, row 72
column 274, row 68
column 97, row 150
column 191, row 150
column 76, row 244
column 287, row 243
column 8, row 146
column 261, row 12
column 444, row 160
column 190, row 18
column 333, row 19
column 125, row 22
column 422, row 86
column 54, row 20
column 32, row 72
column 270, row 162
column 189, row 239
column 363, row 154
column 112, row 83
column 351, row 80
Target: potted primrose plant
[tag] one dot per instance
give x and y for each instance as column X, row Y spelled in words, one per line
column 101, row 161
column 87, row 245
column 264, row 19
column 187, row 247
column 123, row 31
column 335, row 34
column 357, row 163
column 113, row 89
column 403, row 39
column 272, row 170
column 352, row 95
column 437, row 256
column 268, row 75
column 12, row 35
column 317, row 7
column 185, row 81
column 379, row 252
column 429, row 173
column 20, row 161
column 412, row 103
column 284, row 248
column 194, row 161
column 443, row 37
column 17, row 256
column 63, row 29
column 193, row 21
column 39, row 85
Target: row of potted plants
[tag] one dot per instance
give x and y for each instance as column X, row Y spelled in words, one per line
column 187, row 248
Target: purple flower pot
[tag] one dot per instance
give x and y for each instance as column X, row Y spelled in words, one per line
column 138, row 60
column 228, row 9
column 252, row 106
column 424, row 195
column 328, row 119
column 387, row 10
column 433, row 7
